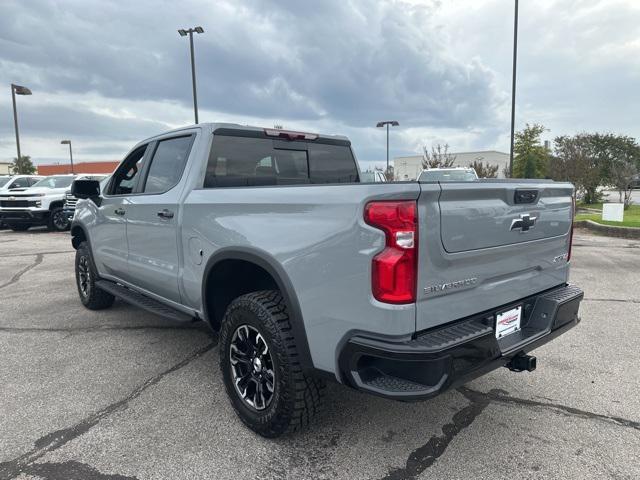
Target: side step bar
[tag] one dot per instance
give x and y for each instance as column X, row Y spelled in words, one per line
column 142, row 301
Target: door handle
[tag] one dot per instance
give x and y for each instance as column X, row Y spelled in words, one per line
column 165, row 213
column 119, row 211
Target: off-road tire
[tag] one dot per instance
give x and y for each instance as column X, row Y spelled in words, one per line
column 297, row 396
column 55, row 223
column 91, row 297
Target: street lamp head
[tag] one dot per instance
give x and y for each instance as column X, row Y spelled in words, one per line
column 184, row 32
column 20, row 90
column 65, row 142
column 393, row 123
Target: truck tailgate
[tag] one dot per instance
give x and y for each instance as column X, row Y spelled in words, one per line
column 489, row 243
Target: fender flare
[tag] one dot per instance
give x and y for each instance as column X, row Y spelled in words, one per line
column 74, row 243
column 272, row 267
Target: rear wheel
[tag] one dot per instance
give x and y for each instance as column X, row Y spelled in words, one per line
column 91, row 296
column 58, row 221
column 259, row 362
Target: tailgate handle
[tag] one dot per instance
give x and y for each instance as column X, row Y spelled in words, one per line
column 526, row 196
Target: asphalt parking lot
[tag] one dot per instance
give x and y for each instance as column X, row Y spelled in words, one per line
column 122, row 394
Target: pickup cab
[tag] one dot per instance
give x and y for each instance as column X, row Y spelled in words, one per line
column 397, row 289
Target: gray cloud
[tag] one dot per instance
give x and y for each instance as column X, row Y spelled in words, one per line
column 353, row 61
column 112, row 72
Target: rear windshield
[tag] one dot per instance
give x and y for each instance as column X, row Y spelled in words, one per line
column 447, row 176
column 54, row 182
column 244, row 161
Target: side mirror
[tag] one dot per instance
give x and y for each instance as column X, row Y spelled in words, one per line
column 85, row 189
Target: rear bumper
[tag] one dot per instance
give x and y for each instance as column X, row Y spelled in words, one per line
column 24, row 216
column 451, row 355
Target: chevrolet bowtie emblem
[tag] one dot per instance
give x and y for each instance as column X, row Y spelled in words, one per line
column 524, row 223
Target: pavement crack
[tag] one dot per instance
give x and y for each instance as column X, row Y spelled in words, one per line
column 499, row 396
column 70, row 470
column 425, row 456
column 622, row 300
column 5, row 255
column 16, row 277
column 58, row 438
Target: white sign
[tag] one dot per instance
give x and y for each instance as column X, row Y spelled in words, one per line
column 508, row 322
column 613, row 212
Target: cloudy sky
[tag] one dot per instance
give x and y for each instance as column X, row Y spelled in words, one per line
column 109, row 73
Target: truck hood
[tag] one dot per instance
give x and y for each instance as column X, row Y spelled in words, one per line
column 29, row 192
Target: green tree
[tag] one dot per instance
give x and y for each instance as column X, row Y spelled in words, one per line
column 484, row 171
column 619, row 156
column 530, row 157
column 574, row 161
column 439, row 157
column 593, row 160
column 23, row 166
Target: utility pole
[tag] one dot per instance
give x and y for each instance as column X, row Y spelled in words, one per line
column 68, row 142
column 513, row 86
column 17, row 90
column 183, row 33
column 387, row 123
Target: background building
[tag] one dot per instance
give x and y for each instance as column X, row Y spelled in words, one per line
column 5, row 168
column 408, row 168
column 82, row 167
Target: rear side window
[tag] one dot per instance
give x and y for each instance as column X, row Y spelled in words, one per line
column 331, row 164
column 167, row 164
column 244, row 161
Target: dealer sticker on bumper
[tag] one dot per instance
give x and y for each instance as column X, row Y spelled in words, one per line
column 508, row 322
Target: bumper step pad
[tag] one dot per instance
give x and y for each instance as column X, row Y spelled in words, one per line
column 448, row 356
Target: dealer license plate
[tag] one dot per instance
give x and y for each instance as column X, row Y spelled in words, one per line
column 508, row 322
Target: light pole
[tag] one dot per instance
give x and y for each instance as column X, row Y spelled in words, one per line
column 386, row 123
column 513, row 86
column 17, row 90
column 68, row 142
column 183, row 33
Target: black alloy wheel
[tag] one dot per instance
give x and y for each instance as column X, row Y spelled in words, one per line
column 252, row 367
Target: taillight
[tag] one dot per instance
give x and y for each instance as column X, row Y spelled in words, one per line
column 573, row 215
column 394, row 269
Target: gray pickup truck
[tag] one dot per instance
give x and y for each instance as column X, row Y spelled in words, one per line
column 308, row 274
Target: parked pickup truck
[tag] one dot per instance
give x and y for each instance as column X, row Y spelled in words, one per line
column 397, row 289
column 40, row 204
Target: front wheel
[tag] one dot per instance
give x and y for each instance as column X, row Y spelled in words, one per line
column 260, row 368
column 58, row 220
column 91, row 296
